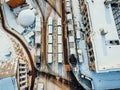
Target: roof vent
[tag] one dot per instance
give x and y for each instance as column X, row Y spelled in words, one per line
column 103, row 32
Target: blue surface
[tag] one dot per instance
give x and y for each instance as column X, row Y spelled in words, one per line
column 8, row 83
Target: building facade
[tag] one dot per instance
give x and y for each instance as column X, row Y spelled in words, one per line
column 116, row 14
column 86, row 23
column 17, row 71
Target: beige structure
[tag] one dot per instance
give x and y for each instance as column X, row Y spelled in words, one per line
column 88, row 40
column 15, row 68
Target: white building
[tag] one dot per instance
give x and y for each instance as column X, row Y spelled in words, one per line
column 50, row 21
column 49, row 57
column 101, row 64
column 13, row 67
column 103, row 41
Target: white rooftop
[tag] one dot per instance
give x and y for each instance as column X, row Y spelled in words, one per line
column 71, row 38
column 49, row 58
column 37, row 38
column 59, row 30
column 6, row 47
column 49, row 38
column 59, row 39
column 49, row 48
column 50, row 21
column 49, row 29
column 38, row 24
column 26, row 17
column 59, row 21
column 107, row 56
column 60, row 57
column 60, row 48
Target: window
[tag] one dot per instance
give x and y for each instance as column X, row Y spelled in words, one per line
column 92, row 59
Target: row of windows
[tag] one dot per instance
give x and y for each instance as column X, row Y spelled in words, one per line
column 116, row 13
column 22, row 69
column 119, row 35
column 22, row 74
column 22, row 64
column 118, row 26
column 90, row 53
column 119, row 30
column 22, row 79
column 22, row 84
column 115, row 9
column 87, row 27
column 117, row 19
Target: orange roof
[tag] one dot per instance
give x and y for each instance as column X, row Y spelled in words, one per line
column 67, row 67
column 15, row 3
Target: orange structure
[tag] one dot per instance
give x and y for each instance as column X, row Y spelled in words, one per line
column 15, row 3
column 67, row 67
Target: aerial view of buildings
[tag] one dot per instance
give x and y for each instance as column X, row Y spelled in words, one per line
column 59, row 44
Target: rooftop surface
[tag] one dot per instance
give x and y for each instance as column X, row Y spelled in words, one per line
column 106, row 54
column 10, row 71
column 8, row 84
column 6, row 48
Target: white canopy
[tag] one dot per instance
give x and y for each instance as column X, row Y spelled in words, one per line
column 26, row 17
